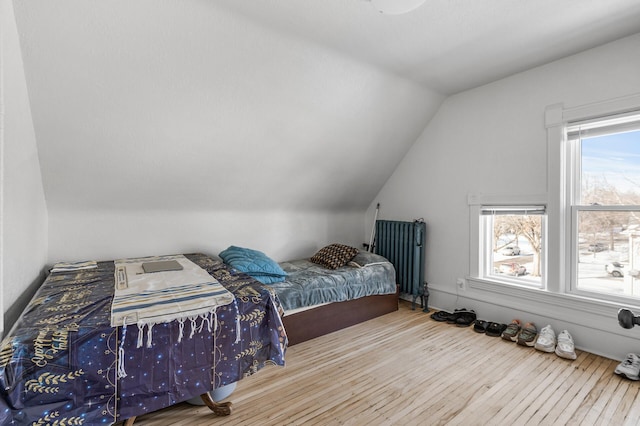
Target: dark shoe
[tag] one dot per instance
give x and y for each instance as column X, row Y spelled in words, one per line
column 453, row 318
column 527, row 336
column 466, row 318
column 495, row 329
column 440, row 316
column 512, row 331
column 480, row 326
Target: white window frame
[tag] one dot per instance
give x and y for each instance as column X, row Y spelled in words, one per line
column 486, row 243
column 562, row 265
column 574, row 181
column 480, row 276
column 555, row 297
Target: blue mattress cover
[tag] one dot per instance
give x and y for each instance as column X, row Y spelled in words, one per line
column 309, row 284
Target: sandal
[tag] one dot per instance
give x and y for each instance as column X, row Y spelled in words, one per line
column 495, row 329
column 527, row 336
column 480, row 326
column 440, row 316
column 512, row 331
column 453, row 318
column 466, row 318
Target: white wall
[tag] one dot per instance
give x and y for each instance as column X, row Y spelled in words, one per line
column 492, row 140
column 23, row 224
column 281, row 234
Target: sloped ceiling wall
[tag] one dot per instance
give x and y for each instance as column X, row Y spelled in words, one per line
column 23, row 211
column 187, row 106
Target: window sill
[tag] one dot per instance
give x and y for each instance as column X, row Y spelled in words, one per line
column 509, row 281
column 551, row 303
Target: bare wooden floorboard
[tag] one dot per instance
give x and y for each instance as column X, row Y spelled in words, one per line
column 632, row 416
column 404, row 368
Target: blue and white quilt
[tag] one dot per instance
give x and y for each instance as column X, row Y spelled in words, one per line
column 60, row 363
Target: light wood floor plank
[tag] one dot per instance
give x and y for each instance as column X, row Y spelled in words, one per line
column 632, row 415
column 573, row 411
column 618, row 406
column 600, row 393
column 404, row 368
column 538, row 407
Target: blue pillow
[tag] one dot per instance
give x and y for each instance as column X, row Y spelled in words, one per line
column 253, row 263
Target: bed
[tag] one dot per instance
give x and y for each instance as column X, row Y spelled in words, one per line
column 62, row 363
column 320, row 300
column 337, row 287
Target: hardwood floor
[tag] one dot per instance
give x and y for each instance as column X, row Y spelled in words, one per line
column 406, row 369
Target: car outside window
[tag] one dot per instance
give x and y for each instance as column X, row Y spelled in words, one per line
column 514, row 244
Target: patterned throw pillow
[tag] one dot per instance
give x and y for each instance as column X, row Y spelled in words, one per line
column 334, row 256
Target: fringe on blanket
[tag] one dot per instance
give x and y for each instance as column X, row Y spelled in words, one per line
column 197, row 323
column 235, row 302
column 121, row 371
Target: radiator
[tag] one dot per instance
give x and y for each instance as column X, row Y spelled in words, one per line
column 402, row 243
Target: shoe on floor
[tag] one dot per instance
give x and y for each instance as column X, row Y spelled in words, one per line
column 465, row 319
column 480, row 326
column 495, row 329
column 565, row 347
column 457, row 313
column 512, row 330
column 527, row 336
column 440, row 316
column 546, row 340
column 630, row 367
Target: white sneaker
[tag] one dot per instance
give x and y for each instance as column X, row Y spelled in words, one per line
column 565, row 347
column 630, row 367
column 546, row 340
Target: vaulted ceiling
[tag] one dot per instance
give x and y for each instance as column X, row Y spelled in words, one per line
column 245, row 104
column 451, row 45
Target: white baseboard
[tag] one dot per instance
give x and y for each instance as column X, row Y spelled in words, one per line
column 593, row 325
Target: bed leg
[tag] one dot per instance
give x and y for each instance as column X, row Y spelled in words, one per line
column 218, row 408
column 129, row 421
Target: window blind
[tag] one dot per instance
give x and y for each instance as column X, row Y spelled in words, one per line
column 513, row 210
column 598, row 126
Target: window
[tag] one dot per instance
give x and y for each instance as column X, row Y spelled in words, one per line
column 513, row 244
column 584, row 250
column 603, row 193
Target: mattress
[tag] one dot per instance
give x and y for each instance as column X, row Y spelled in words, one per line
column 308, row 284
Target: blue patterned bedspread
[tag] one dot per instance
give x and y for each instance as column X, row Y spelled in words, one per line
column 58, row 365
column 309, row 284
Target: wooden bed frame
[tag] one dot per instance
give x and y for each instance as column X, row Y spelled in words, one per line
column 316, row 322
